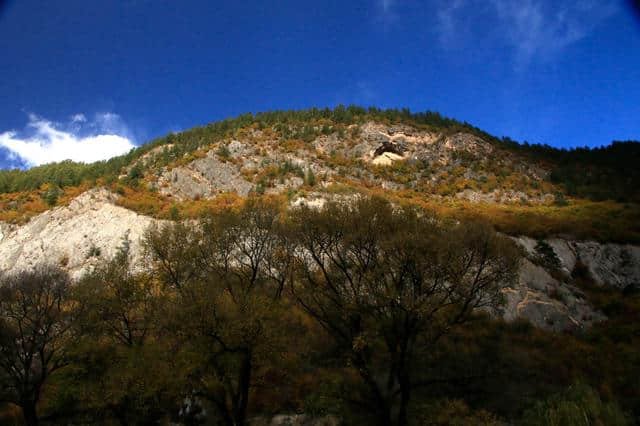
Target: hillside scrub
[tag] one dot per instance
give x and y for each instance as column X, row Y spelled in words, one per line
column 522, row 189
column 606, row 173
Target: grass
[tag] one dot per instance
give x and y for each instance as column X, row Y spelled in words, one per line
column 604, row 221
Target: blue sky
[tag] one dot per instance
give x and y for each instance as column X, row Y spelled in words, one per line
column 86, row 79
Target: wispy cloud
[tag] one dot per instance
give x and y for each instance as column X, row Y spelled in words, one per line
column 87, row 141
column 448, row 21
column 536, row 29
column 386, row 5
column 533, row 29
column 78, row 118
column 386, row 12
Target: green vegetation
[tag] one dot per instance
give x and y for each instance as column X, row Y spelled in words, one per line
column 363, row 311
column 546, row 256
column 604, row 173
column 223, row 152
column 579, row 405
column 601, row 173
column 310, row 177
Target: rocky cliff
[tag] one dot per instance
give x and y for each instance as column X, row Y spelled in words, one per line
column 78, row 236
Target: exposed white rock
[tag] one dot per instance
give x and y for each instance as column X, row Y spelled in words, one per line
column 5, row 229
column 316, row 203
column 72, row 235
column 386, row 159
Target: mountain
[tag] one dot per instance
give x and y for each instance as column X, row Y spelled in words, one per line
column 422, row 159
column 582, row 203
column 248, row 271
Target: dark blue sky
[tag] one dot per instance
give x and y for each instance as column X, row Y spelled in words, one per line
column 561, row 72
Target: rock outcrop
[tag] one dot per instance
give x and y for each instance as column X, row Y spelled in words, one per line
column 616, row 265
column 77, row 237
column 547, row 302
column 203, row 178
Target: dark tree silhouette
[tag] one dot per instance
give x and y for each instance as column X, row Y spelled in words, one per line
column 388, row 284
column 34, row 323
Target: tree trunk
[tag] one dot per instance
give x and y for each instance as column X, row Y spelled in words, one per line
column 244, row 381
column 404, row 403
column 384, row 417
column 29, row 414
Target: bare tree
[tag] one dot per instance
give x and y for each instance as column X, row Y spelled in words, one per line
column 34, row 322
column 116, row 302
column 387, row 284
column 225, row 274
column 116, row 322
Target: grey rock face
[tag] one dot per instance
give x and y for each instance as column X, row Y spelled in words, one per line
column 610, row 264
column 205, row 177
column 553, row 304
column 616, row 265
column 546, row 302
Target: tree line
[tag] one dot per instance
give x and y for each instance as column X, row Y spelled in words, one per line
column 384, row 285
column 363, row 311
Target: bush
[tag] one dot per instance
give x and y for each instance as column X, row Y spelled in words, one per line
column 223, row 152
column 310, row 178
column 452, row 413
column 579, row 405
column 174, row 213
column 546, row 257
column 50, row 196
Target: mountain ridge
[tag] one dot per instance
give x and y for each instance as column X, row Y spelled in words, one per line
column 422, row 159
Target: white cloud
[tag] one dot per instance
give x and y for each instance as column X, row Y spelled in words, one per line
column 534, row 29
column 45, row 142
column 78, row 118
